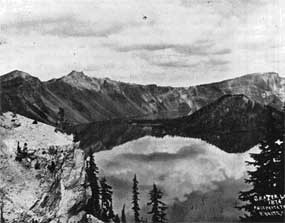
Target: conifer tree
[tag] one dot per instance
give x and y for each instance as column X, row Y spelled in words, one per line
column 76, row 137
column 135, row 200
column 266, row 179
column 106, row 200
column 123, row 215
column 111, row 210
column 158, row 208
column 117, row 219
column 2, row 198
column 2, row 211
column 162, row 214
column 93, row 204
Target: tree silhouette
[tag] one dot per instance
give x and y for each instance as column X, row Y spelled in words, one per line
column 116, row 219
column 135, row 200
column 123, row 215
column 158, row 208
column 2, row 211
column 76, row 137
column 3, row 197
column 267, row 179
column 93, row 204
column 106, row 201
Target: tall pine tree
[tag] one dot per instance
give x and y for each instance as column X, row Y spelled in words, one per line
column 76, row 137
column 93, row 204
column 2, row 200
column 267, row 179
column 158, row 208
column 106, row 201
column 117, row 219
column 135, row 200
column 123, row 215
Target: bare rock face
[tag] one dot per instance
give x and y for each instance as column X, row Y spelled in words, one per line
column 48, row 184
column 65, row 200
column 91, row 219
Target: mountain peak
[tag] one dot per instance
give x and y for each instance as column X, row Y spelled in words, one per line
column 16, row 74
column 76, row 74
column 81, row 81
column 267, row 75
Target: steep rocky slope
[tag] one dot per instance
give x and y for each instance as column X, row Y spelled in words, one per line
column 26, row 95
column 32, row 192
column 86, row 99
column 234, row 123
column 65, row 199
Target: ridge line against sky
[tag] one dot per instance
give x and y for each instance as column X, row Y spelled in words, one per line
column 135, row 83
column 166, row 42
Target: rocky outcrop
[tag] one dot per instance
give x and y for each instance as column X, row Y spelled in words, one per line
column 64, row 202
column 87, row 99
column 47, row 184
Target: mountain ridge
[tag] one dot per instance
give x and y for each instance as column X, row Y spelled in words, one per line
column 75, row 73
column 87, row 99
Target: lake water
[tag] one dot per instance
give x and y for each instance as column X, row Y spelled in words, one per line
column 184, row 168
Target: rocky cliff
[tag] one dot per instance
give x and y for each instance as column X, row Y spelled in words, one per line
column 64, row 201
column 47, row 184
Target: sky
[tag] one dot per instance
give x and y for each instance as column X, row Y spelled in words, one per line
column 165, row 42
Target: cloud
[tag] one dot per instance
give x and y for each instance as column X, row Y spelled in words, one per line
column 174, row 60
column 201, row 50
column 202, row 53
column 198, row 48
column 69, row 19
column 174, row 64
column 66, row 26
column 149, row 47
column 85, row 29
column 183, row 153
column 185, row 63
column 217, row 62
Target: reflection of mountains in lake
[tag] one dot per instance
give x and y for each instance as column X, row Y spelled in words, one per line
column 234, row 123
